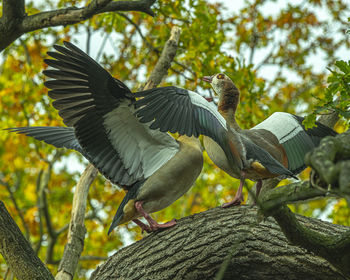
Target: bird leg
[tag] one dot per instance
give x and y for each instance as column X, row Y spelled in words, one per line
column 238, row 199
column 143, row 226
column 257, row 191
column 258, row 188
column 153, row 225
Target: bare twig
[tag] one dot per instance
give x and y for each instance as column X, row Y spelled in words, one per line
column 77, row 230
column 181, row 74
column 149, row 45
column 92, row 258
column 41, row 226
column 164, row 62
column 104, row 41
column 88, row 39
column 18, row 209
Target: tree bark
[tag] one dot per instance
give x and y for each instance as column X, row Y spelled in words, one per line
column 17, row 251
column 77, row 230
column 15, row 22
column 199, row 245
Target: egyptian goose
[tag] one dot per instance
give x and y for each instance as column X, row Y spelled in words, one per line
column 153, row 167
column 275, row 147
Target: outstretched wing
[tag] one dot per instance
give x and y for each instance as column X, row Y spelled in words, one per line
column 100, row 109
column 60, row 137
column 179, row 110
column 293, row 136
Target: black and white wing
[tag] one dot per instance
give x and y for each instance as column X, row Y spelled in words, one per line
column 60, row 137
column 293, row 136
column 179, row 110
column 100, row 109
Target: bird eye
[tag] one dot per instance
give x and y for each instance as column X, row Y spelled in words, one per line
column 220, row 76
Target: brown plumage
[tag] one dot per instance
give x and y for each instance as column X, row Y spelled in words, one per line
column 270, row 139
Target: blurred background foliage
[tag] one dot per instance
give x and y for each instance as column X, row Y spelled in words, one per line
column 277, row 53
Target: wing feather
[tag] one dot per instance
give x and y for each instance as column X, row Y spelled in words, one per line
column 57, row 136
column 100, row 108
column 293, row 136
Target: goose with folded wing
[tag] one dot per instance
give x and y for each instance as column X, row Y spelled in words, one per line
column 153, row 167
column 275, row 147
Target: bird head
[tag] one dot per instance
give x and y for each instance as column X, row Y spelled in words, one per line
column 220, row 83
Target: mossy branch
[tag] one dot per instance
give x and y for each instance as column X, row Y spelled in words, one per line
column 331, row 177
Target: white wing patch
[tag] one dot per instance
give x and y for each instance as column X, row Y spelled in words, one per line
column 142, row 149
column 200, row 101
column 283, row 125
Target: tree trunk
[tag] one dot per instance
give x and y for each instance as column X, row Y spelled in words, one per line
column 17, row 251
column 231, row 241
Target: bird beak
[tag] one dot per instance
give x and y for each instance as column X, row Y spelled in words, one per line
column 208, row 79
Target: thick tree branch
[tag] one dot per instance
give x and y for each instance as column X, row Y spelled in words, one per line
column 17, row 251
column 327, row 161
column 292, row 193
column 197, row 246
column 74, row 15
column 23, row 24
column 335, row 248
column 324, row 158
column 13, row 11
column 77, row 230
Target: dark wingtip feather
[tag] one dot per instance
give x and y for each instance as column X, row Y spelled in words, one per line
column 131, row 194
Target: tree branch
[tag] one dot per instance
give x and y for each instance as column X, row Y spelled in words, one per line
column 295, row 192
column 165, row 59
column 149, row 45
column 74, row 15
column 12, row 12
column 157, row 51
column 15, row 23
column 17, row 251
column 18, row 209
column 77, row 230
column 325, row 161
column 197, row 246
column 334, row 248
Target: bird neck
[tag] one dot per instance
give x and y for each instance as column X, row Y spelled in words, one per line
column 228, row 102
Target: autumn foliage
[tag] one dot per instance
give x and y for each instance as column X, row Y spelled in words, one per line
column 276, row 52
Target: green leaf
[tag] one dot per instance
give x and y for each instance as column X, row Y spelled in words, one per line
column 343, row 66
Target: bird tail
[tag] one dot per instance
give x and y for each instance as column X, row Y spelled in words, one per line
column 317, row 132
column 131, row 194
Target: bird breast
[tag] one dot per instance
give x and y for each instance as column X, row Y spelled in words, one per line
column 217, row 155
column 173, row 179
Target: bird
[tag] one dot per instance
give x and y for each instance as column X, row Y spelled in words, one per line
column 274, row 148
column 98, row 110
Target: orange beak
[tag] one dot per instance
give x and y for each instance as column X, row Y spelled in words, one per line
column 208, row 79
